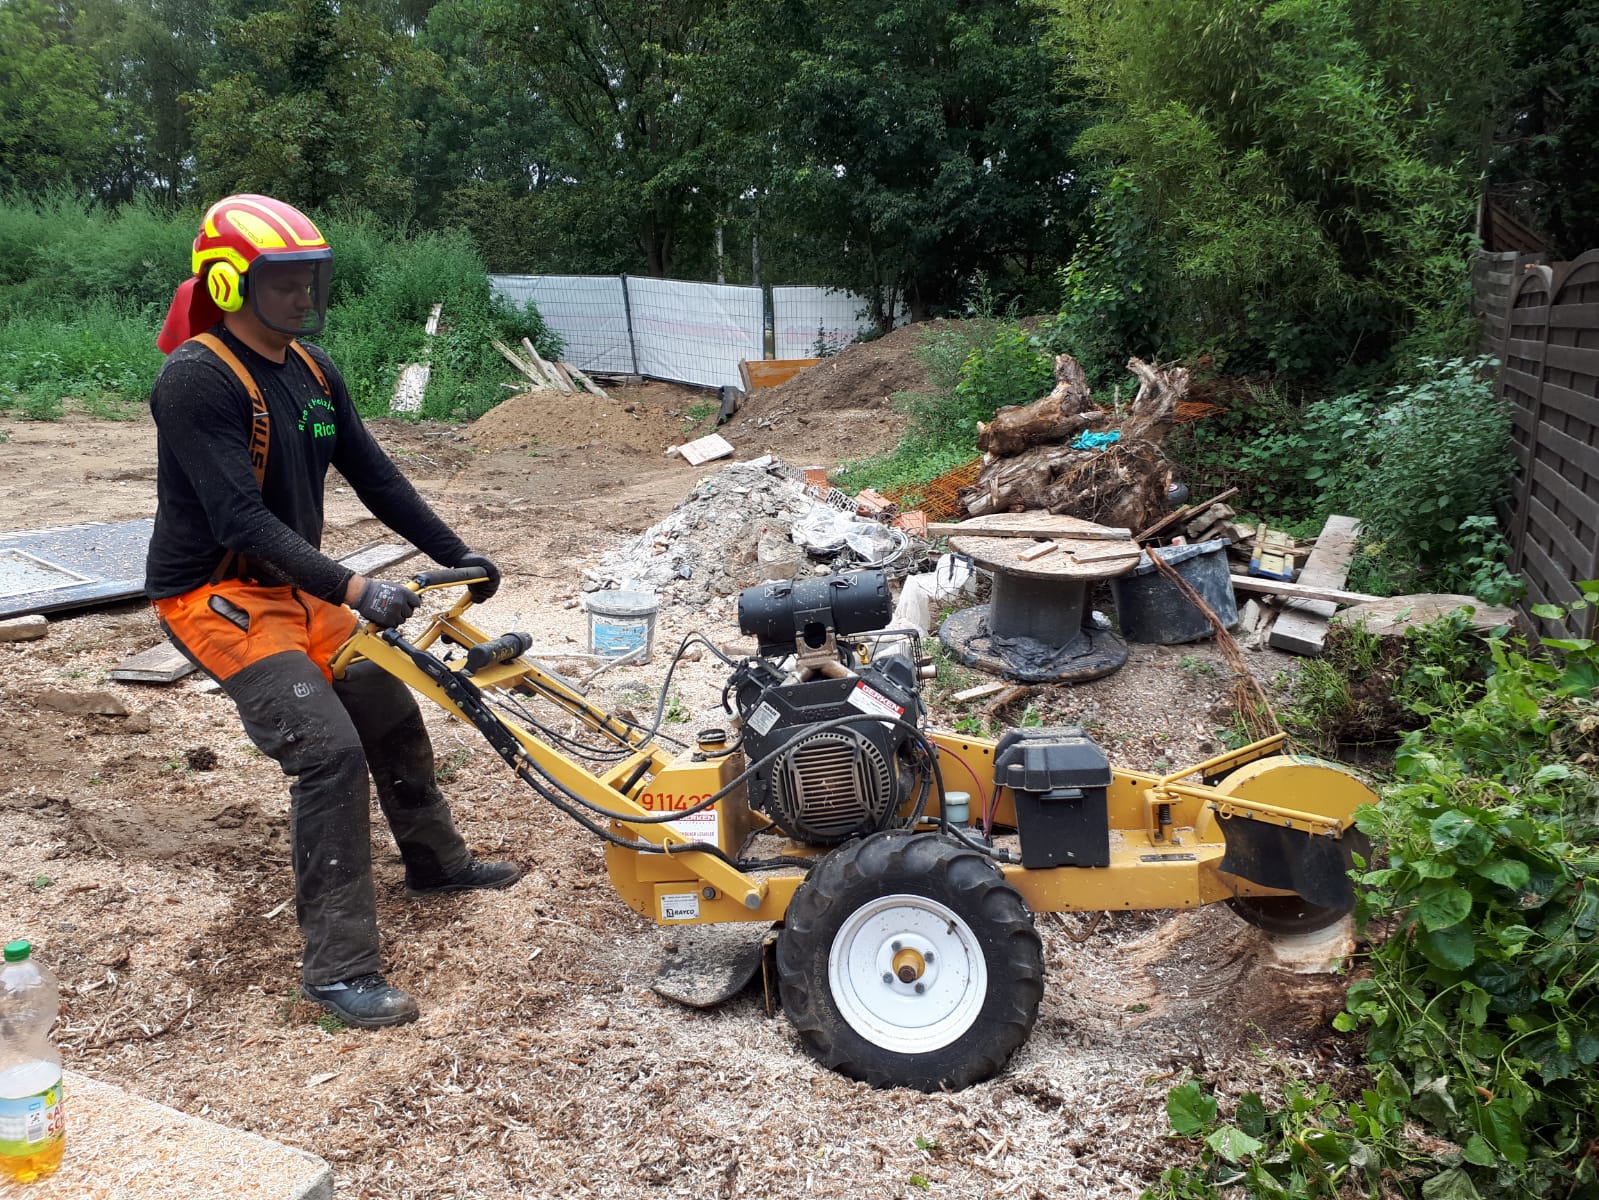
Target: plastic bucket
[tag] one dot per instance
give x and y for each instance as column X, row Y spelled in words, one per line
column 1152, row 610
column 622, row 624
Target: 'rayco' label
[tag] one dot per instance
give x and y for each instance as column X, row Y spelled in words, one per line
column 680, row 906
column 869, row 700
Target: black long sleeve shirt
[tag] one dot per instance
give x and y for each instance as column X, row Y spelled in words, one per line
column 207, row 499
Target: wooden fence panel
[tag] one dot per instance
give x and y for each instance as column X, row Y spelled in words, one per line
column 1554, row 394
column 1520, row 383
column 1493, row 276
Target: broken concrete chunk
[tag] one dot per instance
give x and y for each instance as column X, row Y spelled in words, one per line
column 82, row 704
column 24, row 629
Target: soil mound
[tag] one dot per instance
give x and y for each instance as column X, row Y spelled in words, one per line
column 862, row 375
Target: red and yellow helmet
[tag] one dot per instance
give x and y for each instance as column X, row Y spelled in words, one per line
column 242, row 240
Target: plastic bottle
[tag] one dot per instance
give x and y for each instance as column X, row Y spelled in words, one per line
column 32, row 1132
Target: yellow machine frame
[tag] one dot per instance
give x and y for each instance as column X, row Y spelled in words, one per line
column 1166, row 843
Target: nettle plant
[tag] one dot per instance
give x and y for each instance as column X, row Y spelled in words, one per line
column 1482, row 1005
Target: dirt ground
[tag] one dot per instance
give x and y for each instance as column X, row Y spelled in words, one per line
column 146, row 857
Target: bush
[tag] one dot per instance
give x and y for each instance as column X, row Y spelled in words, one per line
column 973, row 369
column 83, row 291
column 1483, row 1003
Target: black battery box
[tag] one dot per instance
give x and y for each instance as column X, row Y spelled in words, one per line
column 1058, row 776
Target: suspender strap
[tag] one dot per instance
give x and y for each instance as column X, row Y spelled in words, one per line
column 260, row 419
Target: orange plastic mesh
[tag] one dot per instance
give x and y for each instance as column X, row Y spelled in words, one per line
column 939, row 497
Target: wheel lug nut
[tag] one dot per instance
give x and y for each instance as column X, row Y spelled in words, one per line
column 894, row 946
column 920, row 988
column 928, row 957
column 888, row 977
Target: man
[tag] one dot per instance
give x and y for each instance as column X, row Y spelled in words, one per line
column 248, row 421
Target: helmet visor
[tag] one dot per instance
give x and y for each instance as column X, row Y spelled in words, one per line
column 290, row 297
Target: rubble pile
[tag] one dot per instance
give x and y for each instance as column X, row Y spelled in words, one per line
column 709, row 544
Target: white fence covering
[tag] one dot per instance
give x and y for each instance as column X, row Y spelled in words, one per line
column 588, row 311
column 694, row 332
column 806, row 320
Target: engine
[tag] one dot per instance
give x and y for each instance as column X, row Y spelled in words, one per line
column 834, row 731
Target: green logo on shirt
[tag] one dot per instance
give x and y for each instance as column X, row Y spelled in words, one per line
column 318, row 422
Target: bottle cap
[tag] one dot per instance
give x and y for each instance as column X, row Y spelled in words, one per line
column 18, row 951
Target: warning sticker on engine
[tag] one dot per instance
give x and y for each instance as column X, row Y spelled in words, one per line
column 869, row 700
column 762, row 719
column 680, row 906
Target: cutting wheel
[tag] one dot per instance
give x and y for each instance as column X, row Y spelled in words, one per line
column 1274, row 857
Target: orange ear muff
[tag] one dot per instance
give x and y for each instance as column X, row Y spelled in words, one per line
column 226, row 287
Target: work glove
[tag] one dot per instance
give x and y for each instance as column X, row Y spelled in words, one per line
column 481, row 591
column 386, row 604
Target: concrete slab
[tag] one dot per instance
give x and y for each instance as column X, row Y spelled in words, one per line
column 123, row 1147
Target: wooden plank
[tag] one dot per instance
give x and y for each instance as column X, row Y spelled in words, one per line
column 550, row 372
column 1183, row 513
column 1298, row 591
column 527, row 369
column 163, row 663
column 1106, row 554
column 375, row 556
column 981, row 690
column 586, row 383
column 1030, row 524
column 766, row 373
column 1303, row 630
column 1037, row 551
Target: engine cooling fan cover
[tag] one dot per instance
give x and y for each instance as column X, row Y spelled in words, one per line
column 832, row 785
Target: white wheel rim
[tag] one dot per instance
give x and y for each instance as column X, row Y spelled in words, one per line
column 916, row 1016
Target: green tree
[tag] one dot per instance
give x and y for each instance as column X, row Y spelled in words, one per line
column 55, row 127
column 309, row 108
column 1550, row 142
column 647, row 99
column 1307, row 169
column 928, row 140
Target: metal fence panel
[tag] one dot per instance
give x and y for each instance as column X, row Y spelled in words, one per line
column 695, row 332
column 811, row 322
column 589, row 312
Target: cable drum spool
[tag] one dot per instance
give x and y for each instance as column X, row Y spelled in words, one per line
column 622, row 624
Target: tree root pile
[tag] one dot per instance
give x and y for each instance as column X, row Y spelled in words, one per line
column 1035, row 458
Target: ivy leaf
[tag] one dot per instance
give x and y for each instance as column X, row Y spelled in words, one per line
column 1233, row 1143
column 1251, row 1114
column 1507, row 872
column 1549, row 612
column 1479, row 1152
column 1457, row 832
column 1189, row 1109
column 1502, row 1127
column 1453, row 948
column 1453, row 1184
column 1443, row 905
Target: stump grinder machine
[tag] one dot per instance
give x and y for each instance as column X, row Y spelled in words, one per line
column 815, row 832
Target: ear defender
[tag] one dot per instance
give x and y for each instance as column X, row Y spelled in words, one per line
column 226, row 287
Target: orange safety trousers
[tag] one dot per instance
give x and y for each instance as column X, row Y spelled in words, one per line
column 228, row 625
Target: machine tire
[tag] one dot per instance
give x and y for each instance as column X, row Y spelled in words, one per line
column 896, row 893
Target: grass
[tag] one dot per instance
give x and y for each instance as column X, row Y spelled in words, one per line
column 83, row 292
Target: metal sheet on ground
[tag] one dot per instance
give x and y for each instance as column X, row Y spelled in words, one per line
column 46, row 570
column 707, row 964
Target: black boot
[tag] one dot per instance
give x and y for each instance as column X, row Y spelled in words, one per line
column 365, row 1001
column 475, row 876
